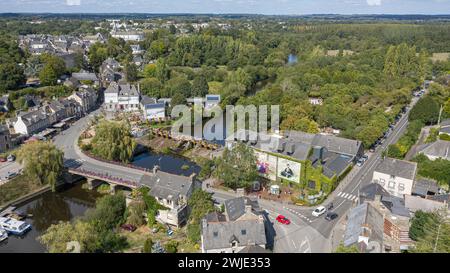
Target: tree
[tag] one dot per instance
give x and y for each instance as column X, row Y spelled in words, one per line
column 136, row 212
column 113, row 141
column 151, row 87
column 150, row 71
column 131, row 71
column 200, row 204
column 171, row 247
column 419, row 223
column 108, row 213
column 54, row 67
column 42, row 161
column 11, row 76
column 432, row 232
column 237, row 167
column 57, row 237
column 426, row 110
column 346, row 249
column 200, row 86
column 178, row 85
column 148, row 244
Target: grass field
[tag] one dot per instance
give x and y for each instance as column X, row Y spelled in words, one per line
column 17, row 187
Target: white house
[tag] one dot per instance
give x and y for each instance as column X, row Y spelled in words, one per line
column 128, row 35
column 122, row 97
column 31, row 122
column 395, row 176
column 152, row 110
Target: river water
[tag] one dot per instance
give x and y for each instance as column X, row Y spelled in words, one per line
column 72, row 201
column 47, row 209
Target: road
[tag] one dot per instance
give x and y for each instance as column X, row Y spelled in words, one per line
column 6, row 168
column 346, row 196
column 74, row 158
column 314, row 234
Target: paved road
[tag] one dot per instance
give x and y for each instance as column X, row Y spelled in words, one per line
column 6, row 168
column 346, row 195
column 74, row 158
column 313, row 234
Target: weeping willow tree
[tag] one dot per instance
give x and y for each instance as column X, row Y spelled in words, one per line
column 113, row 141
column 42, row 161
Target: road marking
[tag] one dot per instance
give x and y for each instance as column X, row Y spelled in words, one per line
column 293, row 242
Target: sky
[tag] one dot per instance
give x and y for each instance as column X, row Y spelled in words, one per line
column 274, row 7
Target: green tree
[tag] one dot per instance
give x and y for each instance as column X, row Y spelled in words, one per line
column 148, row 244
column 200, row 204
column 200, row 86
column 432, row 232
column 113, row 141
column 11, row 76
column 58, row 236
column 237, row 167
column 426, row 110
column 346, row 249
column 108, row 213
column 131, row 72
column 151, row 87
column 42, row 161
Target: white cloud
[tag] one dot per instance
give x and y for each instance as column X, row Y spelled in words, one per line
column 374, row 2
column 73, row 2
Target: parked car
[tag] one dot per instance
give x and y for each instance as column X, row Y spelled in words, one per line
column 372, row 149
column 365, row 157
column 360, row 162
column 2, row 159
column 11, row 158
column 128, row 227
column 331, row 216
column 319, row 211
column 283, row 220
column 11, row 175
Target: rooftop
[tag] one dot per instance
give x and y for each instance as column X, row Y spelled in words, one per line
column 397, row 167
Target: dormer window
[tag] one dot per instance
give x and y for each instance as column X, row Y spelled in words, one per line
column 243, row 232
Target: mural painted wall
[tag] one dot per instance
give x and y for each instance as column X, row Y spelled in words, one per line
column 267, row 165
column 289, row 170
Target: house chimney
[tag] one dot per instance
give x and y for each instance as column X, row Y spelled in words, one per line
column 248, row 208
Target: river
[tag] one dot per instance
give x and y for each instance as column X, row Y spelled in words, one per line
column 47, row 209
column 72, row 201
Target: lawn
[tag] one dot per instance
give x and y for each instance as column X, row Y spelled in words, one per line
column 137, row 238
column 17, row 187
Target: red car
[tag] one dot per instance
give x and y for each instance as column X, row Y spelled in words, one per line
column 283, row 220
column 2, row 159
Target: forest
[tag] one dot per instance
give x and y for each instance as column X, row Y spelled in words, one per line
column 363, row 72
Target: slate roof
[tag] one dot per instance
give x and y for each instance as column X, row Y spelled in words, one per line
column 440, row 197
column 167, row 186
column 371, row 190
column 33, row 117
column 85, row 76
column 218, row 235
column 122, row 89
column 400, row 168
column 254, row 249
column 439, row 148
column 396, row 205
column 235, row 208
column 147, row 100
column 364, row 220
column 422, row 186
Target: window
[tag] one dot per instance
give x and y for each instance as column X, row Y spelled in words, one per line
column 391, row 185
column 243, row 232
column 382, row 182
column 401, row 187
column 393, row 177
column 234, row 244
column 215, row 233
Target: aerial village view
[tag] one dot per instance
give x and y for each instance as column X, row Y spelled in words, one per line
column 225, row 126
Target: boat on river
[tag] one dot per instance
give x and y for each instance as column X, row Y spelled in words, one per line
column 14, row 226
column 3, row 235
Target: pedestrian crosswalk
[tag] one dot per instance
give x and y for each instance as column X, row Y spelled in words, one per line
column 299, row 214
column 348, row 196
